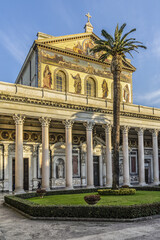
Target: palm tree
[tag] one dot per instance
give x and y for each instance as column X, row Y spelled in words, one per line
column 117, row 47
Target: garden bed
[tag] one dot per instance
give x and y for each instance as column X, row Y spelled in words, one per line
column 77, row 210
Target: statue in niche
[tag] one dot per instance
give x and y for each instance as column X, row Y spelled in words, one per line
column 60, row 170
column 47, row 78
column 77, row 83
column 126, row 94
column 104, row 89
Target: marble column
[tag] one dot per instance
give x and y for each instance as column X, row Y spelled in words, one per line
column 89, row 127
column 34, row 167
column 155, row 157
column 45, row 153
column 68, row 162
column 108, row 155
column 6, row 168
column 141, row 156
column 126, row 178
column 19, row 120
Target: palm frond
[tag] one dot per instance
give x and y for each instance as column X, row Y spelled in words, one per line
column 107, row 35
column 125, row 35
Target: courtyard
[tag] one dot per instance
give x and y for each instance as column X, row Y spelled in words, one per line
column 15, row 226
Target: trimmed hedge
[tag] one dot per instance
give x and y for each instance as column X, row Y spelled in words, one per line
column 58, row 192
column 119, row 212
column 121, row 191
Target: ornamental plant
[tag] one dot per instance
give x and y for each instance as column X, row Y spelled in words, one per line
column 117, row 47
column 92, row 199
column 121, row 191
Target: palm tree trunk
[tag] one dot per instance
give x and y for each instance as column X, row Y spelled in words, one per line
column 116, row 68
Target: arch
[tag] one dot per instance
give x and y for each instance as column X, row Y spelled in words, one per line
column 61, row 80
column 90, row 86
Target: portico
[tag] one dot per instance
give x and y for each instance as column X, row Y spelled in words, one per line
column 57, row 168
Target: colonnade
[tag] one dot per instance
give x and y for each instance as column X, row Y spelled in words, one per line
column 19, row 119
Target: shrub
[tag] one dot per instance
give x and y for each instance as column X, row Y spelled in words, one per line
column 125, row 186
column 122, row 191
column 92, row 199
column 41, row 192
column 127, row 212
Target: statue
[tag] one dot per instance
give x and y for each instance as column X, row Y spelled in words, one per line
column 77, row 83
column 104, row 89
column 47, row 78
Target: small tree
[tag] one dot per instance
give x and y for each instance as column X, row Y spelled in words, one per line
column 117, row 47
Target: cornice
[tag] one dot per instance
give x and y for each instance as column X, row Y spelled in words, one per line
column 53, row 104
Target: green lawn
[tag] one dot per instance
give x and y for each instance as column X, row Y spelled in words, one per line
column 141, row 197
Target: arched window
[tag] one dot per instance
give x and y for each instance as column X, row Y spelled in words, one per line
column 90, row 87
column 60, row 84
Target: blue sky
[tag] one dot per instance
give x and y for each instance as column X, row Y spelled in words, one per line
column 20, row 20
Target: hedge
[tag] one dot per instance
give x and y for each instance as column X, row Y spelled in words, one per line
column 119, row 212
column 121, row 191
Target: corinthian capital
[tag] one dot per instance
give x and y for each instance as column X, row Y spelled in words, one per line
column 140, row 131
column 154, row 132
column 125, row 129
column 89, row 125
column 19, row 119
column 68, row 123
column 107, row 127
column 45, row 121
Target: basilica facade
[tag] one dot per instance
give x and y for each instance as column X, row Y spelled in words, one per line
column 56, row 121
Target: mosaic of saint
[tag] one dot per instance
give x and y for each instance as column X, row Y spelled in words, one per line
column 81, row 66
column 77, row 83
column 126, row 93
column 104, row 89
column 47, row 77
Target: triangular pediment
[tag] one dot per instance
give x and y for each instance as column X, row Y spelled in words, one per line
column 79, row 44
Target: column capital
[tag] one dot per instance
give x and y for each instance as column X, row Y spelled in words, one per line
column 140, row 131
column 89, row 125
column 107, row 127
column 45, row 121
column 125, row 129
column 154, row 132
column 19, row 119
column 68, row 123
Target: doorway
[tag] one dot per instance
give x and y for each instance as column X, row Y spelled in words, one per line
column 148, row 170
column 25, row 174
column 96, row 170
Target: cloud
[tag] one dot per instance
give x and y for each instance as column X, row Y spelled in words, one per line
column 155, row 44
column 14, row 45
column 149, row 98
